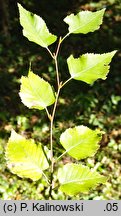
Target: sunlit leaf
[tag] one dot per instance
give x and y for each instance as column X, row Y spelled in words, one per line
column 90, row 67
column 35, row 29
column 76, row 178
column 84, row 21
column 25, row 158
column 81, row 142
column 35, row 92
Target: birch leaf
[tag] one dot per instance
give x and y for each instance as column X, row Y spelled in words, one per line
column 25, row 158
column 76, row 178
column 35, row 92
column 35, row 29
column 81, row 142
column 90, row 67
column 85, row 21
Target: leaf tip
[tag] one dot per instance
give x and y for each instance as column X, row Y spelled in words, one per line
column 104, row 9
column 114, row 52
column 19, row 6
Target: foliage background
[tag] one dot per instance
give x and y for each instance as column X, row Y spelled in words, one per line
column 97, row 106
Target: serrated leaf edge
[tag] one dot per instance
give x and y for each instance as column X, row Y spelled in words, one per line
column 87, row 22
column 83, row 71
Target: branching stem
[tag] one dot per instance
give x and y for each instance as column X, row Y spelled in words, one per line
column 54, row 56
column 51, row 142
column 52, row 116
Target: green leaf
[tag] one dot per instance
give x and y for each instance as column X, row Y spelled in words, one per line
column 81, row 142
column 90, row 67
column 35, row 29
column 25, row 158
column 36, row 92
column 84, row 22
column 76, row 178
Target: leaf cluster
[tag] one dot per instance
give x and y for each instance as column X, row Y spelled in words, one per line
column 28, row 159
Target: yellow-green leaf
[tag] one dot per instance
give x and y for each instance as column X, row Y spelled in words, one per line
column 25, row 158
column 35, row 92
column 90, row 67
column 81, row 142
column 35, row 29
column 85, row 21
column 76, row 178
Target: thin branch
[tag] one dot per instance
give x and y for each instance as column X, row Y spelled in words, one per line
column 51, row 117
column 56, row 62
column 58, row 47
column 57, row 72
column 51, row 142
column 96, row 167
column 66, row 82
column 51, row 156
column 55, row 105
column 51, row 127
column 50, row 52
column 48, row 114
column 61, row 155
column 46, row 178
column 65, row 37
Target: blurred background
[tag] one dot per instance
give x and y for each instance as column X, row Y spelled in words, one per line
column 97, row 106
